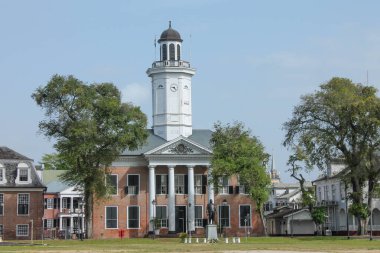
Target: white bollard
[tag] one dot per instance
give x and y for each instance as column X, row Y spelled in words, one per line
column 185, row 240
column 233, row 239
column 197, row 240
column 226, row 239
column 238, row 240
column 205, row 240
column 189, row 240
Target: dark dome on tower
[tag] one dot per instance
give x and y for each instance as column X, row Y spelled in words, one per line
column 170, row 35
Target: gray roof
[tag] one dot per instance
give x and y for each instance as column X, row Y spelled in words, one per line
column 200, row 136
column 56, row 186
column 10, row 160
column 290, row 185
column 290, row 194
column 9, row 154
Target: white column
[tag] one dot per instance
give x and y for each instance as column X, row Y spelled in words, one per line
column 71, row 204
column 191, row 207
column 152, row 195
column 71, row 224
column 171, row 206
column 60, row 223
column 60, row 204
column 210, row 186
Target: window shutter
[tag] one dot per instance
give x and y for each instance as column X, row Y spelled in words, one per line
column 45, row 223
column 204, row 222
column 204, row 180
column 55, row 203
column 230, row 189
column 45, row 203
column 186, row 184
column 158, row 184
column 126, row 190
column 204, row 189
column 237, row 189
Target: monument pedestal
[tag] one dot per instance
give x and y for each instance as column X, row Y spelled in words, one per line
column 211, row 232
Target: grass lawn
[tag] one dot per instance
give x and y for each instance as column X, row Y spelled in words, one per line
column 302, row 244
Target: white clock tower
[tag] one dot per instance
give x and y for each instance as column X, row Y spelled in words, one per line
column 171, row 88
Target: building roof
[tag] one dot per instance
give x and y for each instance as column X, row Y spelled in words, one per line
column 290, row 185
column 170, row 35
column 289, row 195
column 53, row 182
column 10, row 160
column 9, row 154
column 200, row 136
column 281, row 212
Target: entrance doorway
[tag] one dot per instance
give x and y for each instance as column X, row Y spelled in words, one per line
column 180, row 219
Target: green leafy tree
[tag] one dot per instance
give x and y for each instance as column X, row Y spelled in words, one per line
column 341, row 120
column 319, row 215
column 91, row 127
column 237, row 152
column 53, row 162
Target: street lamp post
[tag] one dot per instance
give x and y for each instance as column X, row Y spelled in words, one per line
column 31, row 232
column 370, row 235
column 154, row 218
column 189, row 222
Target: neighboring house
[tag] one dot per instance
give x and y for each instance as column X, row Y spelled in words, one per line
column 331, row 193
column 289, row 221
column 165, row 181
column 64, row 214
column 21, row 197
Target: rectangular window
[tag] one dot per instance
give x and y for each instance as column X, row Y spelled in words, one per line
column 162, row 184
column 161, row 215
column 224, row 185
column 342, row 191
column 112, row 184
column 320, row 193
column 1, row 174
column 22, row 230
column 179, row 182
column 224, row 216
column 49, row 223
column 133, row 217
column 326, row 192
column 111, row 216
column 23, row 175
column 23, row 204
column 133, row 184
column 245, row 215
column 1, row 203
column 49, row 203
column 198, row 183
column 66, row 203
column 198, row 216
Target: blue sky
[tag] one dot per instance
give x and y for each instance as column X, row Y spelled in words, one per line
column 254, row 59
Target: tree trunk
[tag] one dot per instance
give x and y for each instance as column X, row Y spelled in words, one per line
column 263, row 222
column 88, row 198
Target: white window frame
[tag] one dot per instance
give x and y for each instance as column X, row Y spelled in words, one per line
column 224, row 189
column 117, row 183
column 138, row 216
column 2, row 171
column 117, row 217
column 250, row 216
column 18, row 199
column 22, row 166
column 333, row 192
column 229, row 215
column 166, row 186
column 197, row 187
column 49, row 223
column 49, row 203
column 166, row 216
column 17, row 229
column 176, row 185
column 195, row 219
column 129, row 193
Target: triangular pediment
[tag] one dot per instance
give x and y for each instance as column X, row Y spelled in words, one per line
column 180, row 146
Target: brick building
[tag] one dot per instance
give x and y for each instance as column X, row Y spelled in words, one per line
column 21, row 197
column 163, row 185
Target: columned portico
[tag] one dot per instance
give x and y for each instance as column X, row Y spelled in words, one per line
column 191, row 204
column 171, row 203
column 152, row 195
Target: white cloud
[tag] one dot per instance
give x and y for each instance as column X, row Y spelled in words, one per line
column 138, row 94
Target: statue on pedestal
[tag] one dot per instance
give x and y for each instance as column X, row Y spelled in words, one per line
column 210, row 212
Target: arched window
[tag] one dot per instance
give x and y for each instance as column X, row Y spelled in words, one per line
column 178, row 52
column 171, row 52
column 164, row 52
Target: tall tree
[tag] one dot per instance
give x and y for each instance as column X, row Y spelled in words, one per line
column 91, row 127
column 53, row 162
column 341, row 120
column 237, row 152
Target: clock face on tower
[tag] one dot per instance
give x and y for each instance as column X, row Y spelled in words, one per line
column 173, row 87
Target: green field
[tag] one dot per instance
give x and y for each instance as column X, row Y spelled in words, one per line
column 302, row 244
